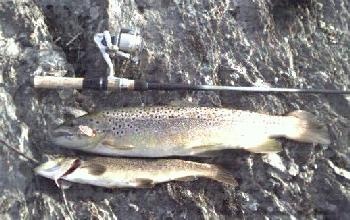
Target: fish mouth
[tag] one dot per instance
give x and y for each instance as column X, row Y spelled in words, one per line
column 48, row 167
column 42, row 168
column 56, row 169
column 63, row 132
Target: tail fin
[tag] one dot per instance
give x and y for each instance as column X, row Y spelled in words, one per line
column 222, row 175
column 308, row 129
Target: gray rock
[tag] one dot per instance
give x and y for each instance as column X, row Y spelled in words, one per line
column 247, row 43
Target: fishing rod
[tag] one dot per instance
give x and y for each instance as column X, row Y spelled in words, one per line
column 120, row 84
column 125, row 46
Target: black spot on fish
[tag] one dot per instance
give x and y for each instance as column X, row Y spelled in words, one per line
column 96, row 169
column 107, row 113
column 113, row 128
column 97, row 122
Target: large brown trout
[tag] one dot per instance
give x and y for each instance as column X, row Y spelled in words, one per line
column 185, row 131
column 137, row 173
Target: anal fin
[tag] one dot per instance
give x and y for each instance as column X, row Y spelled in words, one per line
column 268, row 146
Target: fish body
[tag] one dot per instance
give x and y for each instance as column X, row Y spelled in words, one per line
column 185, row 131
column 129, row 173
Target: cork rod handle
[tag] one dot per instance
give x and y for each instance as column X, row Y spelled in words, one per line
column 54, row 82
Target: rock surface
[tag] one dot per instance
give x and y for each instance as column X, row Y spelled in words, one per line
column 275, row 43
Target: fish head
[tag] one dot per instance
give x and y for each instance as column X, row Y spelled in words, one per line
column 76, row 134
column 58, row 167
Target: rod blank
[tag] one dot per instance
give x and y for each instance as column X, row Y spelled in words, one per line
column 257, row 89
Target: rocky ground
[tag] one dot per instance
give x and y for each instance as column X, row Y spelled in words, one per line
column 275, row 43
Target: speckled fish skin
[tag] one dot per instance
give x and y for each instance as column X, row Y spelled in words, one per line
column 127, row 172
column 185, row 131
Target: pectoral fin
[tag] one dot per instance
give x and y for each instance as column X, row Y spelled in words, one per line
column 266, row 146
column 96, row 169
column 187, row 178
column 114, row 144
column 206, row 147
column 202, row 149
column 144, row 183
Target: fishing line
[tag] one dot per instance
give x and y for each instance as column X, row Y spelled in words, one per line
column 32, row 160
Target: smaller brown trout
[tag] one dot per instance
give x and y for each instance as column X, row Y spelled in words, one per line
column 185, row 131
column 125, row 173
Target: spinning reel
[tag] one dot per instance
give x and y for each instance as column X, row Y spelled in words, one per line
column 126, row 46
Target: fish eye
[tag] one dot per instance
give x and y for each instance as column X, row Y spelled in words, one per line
column 69, row 123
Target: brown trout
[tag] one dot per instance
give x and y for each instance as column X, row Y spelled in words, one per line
column 135, row 173
column 185, row 131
